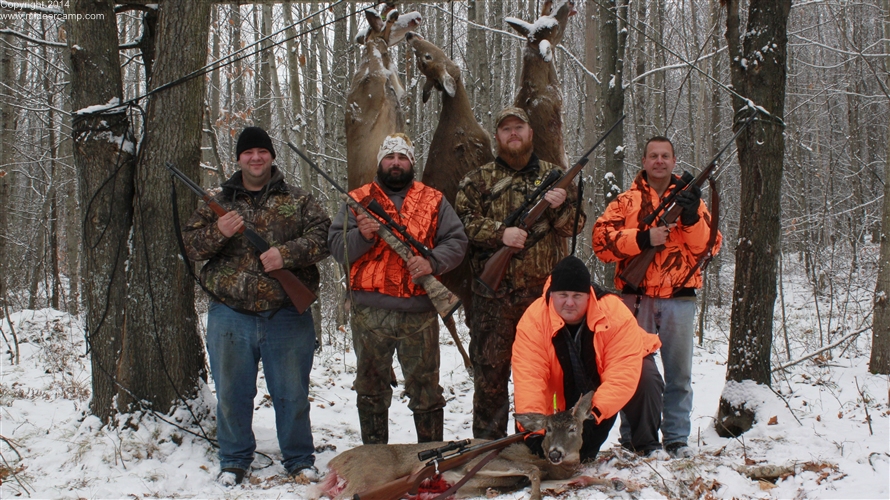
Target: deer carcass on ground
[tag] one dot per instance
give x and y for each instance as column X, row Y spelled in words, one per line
column 459, row 143
column 539, row 93
column 368, row 467
column 373, row 110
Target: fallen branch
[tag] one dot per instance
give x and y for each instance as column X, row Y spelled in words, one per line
column 820, row 351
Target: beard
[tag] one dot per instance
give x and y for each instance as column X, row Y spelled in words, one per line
column 516, row 156
column 395, row 180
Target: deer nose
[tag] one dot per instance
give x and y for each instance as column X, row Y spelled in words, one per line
column 555, row 456
column 410, row 35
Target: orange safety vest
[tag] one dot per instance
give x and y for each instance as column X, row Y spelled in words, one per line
column 380, row 269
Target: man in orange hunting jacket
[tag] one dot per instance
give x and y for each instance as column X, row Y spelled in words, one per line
column 664, row 302
column 577, row 338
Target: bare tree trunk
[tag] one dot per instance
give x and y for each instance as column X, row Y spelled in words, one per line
column 105, row 171
column 613, row 40
column 761, row 152
column 262, row 114
column 7, row 138
column 479, row 78
column 162, row 356
column 880, row 329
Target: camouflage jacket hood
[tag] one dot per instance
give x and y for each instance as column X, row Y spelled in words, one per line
column 486, row 198
column 287, row 217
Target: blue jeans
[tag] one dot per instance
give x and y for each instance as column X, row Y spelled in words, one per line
column 285, row 342
column 674, row 322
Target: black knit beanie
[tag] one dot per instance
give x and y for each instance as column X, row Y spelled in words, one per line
column 570, row 275
column 253, row 137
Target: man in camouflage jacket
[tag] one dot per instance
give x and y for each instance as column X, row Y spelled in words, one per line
column 250, row 316
column 487, row 196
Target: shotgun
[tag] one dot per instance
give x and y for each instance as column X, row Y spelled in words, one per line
column 409, row 484
column 495, row 267
column 301, row 296
column 444, row 301
column 667, row 213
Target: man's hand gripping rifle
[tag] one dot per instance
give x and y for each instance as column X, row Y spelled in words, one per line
column 668, row 211
column 444, row 301
column 301, row 296
column 495, row 267
column 408, row 485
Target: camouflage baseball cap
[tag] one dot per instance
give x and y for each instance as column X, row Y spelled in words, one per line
column 510, row 111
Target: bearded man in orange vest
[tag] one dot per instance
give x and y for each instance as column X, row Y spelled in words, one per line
column 577, row 338
column 391, row 312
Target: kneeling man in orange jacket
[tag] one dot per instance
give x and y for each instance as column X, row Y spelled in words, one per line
column 577, row 338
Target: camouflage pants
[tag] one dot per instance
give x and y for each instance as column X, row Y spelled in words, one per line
column 492, row 331
column 376, row 335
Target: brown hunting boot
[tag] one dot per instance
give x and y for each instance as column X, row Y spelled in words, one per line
column 429, row 425
column 375, row 427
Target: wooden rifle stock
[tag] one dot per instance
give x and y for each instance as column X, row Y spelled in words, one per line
column 298, row 293
column 411, row 483
column 495, row 267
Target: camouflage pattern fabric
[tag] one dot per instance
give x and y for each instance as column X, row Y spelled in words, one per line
column 377, row 334
column 286, row 216
column 492, row 331
column 486, row 198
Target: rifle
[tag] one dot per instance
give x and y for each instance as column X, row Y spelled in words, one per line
column 636, row 268
column 409, row 484
column 521, row 210
column 301, row 296
column 496, row 266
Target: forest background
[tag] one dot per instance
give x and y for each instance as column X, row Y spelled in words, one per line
column 95, row 97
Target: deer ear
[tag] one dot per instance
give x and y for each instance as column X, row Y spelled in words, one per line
column 519, row 25
column 374, row 20
column 427, row 89
column 448, row 83
column 582, row 408
column 531, row 421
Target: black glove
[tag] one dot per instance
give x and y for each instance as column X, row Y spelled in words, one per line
column 689, row 200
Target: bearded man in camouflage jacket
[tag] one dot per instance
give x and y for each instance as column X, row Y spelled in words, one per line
column 250, row 316
column 487, row 196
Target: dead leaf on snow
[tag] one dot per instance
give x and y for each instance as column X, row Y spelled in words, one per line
column 766, row 485
column 774, row 420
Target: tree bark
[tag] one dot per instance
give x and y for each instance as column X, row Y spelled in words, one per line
column 880, row 343
column 760, row 77
column 105, row 176
column 613, row 40
column 7, row 138
column 162, row 355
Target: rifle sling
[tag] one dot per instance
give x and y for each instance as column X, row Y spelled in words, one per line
column 705, row 257
column 188, row 263
column 472, row 472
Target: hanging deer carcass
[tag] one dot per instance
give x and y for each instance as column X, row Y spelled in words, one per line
column 459, row 143
column 539, row 93
column 368, row 467
column 373, row 110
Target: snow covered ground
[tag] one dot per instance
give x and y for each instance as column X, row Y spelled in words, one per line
column 817, row 431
